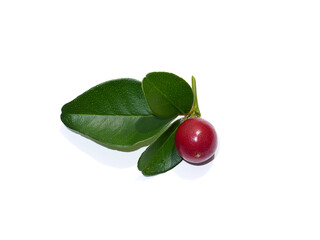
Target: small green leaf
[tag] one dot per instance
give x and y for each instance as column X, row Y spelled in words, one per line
column 167, row 94
column 162, row 155
column 115, row 114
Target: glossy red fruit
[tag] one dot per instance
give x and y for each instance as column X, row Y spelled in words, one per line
column 196, row 140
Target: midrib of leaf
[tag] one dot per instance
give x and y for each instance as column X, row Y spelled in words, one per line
column 165, row 97
column 106, row 115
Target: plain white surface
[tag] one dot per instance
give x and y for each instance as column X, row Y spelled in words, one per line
column 257, row 65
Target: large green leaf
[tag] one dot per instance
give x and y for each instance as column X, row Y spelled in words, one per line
column 167, row 94
column 162, row 155
column 115, row 114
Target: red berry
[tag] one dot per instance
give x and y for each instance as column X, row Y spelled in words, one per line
column 196, row 140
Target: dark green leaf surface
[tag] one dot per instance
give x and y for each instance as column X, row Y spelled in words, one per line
column 167, row 94
column 162, row 155
column 115, row 114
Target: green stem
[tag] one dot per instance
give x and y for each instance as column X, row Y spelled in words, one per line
column 195, row 112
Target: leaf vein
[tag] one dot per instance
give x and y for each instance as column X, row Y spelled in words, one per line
column 105, row 115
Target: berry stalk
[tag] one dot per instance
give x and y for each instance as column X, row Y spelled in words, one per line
column 195, row 111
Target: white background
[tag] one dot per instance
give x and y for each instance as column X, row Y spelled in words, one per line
column 257, row 65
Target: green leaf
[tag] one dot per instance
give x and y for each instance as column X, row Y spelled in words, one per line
column 167, row 94
column 162, row 155
column 115, row 114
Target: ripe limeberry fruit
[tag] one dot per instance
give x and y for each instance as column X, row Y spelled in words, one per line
column 196, row 140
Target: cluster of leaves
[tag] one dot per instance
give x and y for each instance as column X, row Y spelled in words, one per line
column 126, row 114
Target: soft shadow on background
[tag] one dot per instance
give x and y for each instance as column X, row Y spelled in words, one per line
column 100, row 153
column 119, row 159
column 191, row 171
